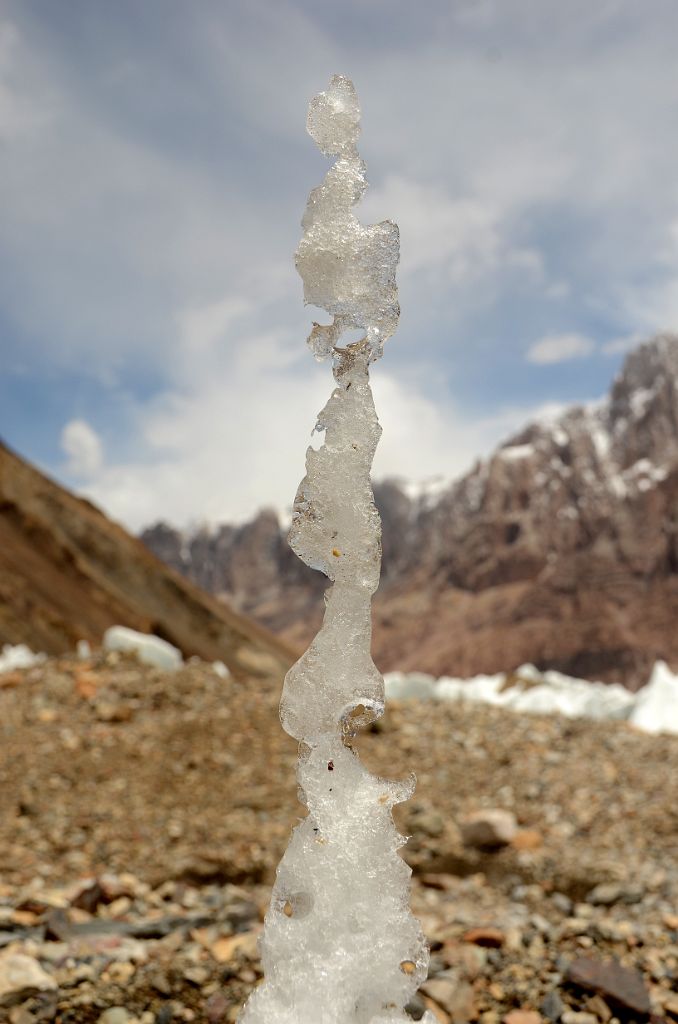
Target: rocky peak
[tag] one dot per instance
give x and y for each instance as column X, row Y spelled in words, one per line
column 643, row 405
column 582, row 508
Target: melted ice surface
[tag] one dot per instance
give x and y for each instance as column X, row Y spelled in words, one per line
column 340, row 945
column 347, row 268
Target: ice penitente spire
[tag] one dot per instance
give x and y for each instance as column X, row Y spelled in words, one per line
column 340, row 945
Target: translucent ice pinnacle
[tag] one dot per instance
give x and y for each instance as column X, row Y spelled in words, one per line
column 340, row 945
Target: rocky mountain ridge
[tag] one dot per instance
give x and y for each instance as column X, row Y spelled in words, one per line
column 561, row 548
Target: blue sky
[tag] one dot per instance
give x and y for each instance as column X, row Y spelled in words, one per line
column 154, row 167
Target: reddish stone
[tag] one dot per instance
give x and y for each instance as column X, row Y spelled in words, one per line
column 622, row 986
column 493, row 938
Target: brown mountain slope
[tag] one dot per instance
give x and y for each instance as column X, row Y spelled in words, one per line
column 560, row 549
column 67, row 573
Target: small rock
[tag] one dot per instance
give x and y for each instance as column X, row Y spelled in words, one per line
column 89, row 897
column 453, row 996
column 20, row 1015
column 552, row 1006
column 562, row 903
column 492, row 938
column 196, row 975
column 121, row 971
column 527, row 839
column 598, row 1006
column 58, row 927
column 671, row 1006
column 607, row 893
column 227, row 947
column 160, row 983
column 435, row 1012
column 107, row 711
column 431, row 823
column 488, row 829
column 513, row 941
column 620, row 985
column 120, row 906
column 10, row 679
column 473, row 959
column 436, row 965
column 24, row 918
column 416, row 1007
column 114, row 1015
column 217, row 1006
column 574, row 926
column 21, row 975
column 575, row 1017
column 522, row 1017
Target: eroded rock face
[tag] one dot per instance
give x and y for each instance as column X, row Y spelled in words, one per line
column 560, row 549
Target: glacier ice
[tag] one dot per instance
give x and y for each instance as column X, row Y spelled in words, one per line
column 18, row 656
column 656, row 705
column 654, row 708
column 149, row 649
column 340, row 945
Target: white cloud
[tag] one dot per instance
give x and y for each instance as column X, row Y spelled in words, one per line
column 202, row 327
column 617, row 346
column 556, row 348
column 219, row 445
column 458, row 237
column 452, row 240
column 82, row 445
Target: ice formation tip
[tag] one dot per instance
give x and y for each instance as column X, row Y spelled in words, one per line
column 347, row 268
column 334, row 117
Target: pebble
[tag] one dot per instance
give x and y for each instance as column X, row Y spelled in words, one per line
column 578, row 1017
column 196, row 975
column 454, row 996
column 598, row 1007
column 21, row 1015
column 114, row 1015
column 562, row 903
column 431, row 823
column 621, row 985
column 21, row 975
column 522, row 1017
column 552, row 1006
column 527, row 839
column 492, row 938
column 489, row 828
column 416, row 1007
column 671, row 1006
column 608, row 893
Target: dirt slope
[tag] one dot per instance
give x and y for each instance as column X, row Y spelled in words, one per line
column 67, row 573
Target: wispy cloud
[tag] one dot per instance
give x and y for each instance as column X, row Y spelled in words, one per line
column 83, row 447
column 620, row 346
column 557, row 348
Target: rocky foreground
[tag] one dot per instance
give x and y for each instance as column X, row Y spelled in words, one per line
column 142, row 816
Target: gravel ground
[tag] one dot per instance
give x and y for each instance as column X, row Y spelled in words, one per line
column 142, row 816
